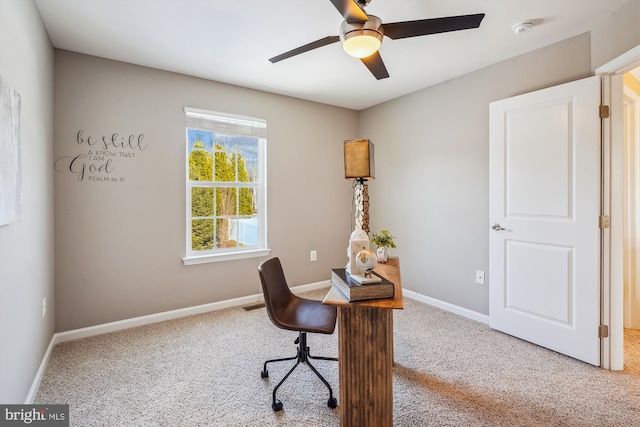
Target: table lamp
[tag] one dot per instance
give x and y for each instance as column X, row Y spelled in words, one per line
column 359, row 165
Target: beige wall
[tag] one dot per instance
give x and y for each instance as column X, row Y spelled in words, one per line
column 119, row 245
column 432, row 169
column 26, row 247
column 616, row 35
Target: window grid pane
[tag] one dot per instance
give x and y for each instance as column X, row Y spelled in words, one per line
column 202, row 201
column 202, row 234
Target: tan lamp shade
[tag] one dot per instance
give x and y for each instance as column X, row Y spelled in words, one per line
column 359, row 159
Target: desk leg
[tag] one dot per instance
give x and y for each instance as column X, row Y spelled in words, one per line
column 365, row 347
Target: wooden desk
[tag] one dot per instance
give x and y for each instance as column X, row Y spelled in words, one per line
column 365, row 353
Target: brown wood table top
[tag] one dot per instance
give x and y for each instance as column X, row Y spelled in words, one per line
column 389, row 270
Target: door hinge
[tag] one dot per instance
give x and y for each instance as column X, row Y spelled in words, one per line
column 604, row 111
column 603, row 221
column 603, row 331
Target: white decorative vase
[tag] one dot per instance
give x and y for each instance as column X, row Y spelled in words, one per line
column 383, row 254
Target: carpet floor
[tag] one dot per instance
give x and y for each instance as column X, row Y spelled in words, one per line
column 204, row 370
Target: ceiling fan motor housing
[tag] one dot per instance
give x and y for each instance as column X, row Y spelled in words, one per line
column 370, row 29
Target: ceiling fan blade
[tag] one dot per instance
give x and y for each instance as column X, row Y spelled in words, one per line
column 307, row 47
column 375, row 64
column 423, row 27
column 350, row 10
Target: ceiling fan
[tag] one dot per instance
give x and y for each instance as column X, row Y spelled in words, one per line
column 361, row 34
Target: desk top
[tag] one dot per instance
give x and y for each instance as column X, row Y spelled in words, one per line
column 389, row 270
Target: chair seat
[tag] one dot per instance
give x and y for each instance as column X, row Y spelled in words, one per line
column 307, row 315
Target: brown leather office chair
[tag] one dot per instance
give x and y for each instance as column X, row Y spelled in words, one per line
column 288, row 311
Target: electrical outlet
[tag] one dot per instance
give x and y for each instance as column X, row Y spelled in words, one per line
column 480, row 277
column 313, row 255
column 44, row 306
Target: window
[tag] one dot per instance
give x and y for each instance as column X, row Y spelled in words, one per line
column 226, row 190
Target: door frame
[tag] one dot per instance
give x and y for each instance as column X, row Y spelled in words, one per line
column 631, row 103
column 612, row 285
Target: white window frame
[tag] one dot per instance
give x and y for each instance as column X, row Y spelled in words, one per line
column 229, row 124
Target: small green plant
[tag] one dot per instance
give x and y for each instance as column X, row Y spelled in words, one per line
column 383, row 239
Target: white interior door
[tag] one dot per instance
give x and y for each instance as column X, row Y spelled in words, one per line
column 544, row 206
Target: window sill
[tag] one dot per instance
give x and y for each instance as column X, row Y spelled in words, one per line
column 203, row 259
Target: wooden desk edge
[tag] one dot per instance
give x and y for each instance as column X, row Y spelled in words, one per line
column 334, row 297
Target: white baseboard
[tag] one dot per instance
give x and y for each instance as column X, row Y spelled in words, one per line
column 43, row 365
column 205, row 308
column 173, row 314
column 147, row 320
column 464, row 312
column 311, row 286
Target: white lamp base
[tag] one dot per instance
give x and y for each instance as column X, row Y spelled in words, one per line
column 365, row 280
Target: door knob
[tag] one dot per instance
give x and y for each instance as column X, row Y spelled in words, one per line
column 497, row 227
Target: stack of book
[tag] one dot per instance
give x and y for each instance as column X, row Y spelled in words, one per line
column 354, row 291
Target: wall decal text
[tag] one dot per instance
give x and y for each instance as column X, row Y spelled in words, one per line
column 99, row 162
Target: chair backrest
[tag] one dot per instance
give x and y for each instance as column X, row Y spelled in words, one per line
column 277, row 295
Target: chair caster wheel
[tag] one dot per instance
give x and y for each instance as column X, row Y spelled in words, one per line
column 332, row 403
column 264, row 374
column 276, row 406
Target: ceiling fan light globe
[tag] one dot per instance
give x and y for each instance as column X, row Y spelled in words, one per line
column 361, row 39
column 362, row 45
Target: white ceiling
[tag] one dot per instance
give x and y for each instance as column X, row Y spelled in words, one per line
column 231, row 41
